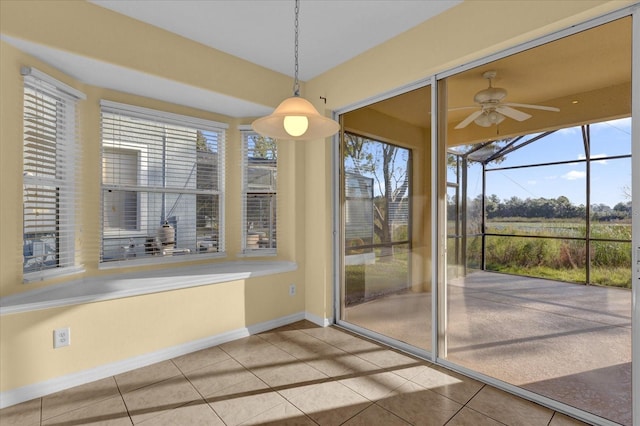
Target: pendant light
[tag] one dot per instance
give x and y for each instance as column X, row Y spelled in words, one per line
column 296, row 118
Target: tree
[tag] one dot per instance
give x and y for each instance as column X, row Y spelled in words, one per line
column 264, row 147
column 380, row 161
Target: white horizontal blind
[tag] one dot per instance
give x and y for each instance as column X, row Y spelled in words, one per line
column 259, row 194
column 162, row 184
column 51, row 158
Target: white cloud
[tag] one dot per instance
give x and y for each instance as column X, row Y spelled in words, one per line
column 574, row 175
column 531, row 182
column 593, row 157
column 622, row 124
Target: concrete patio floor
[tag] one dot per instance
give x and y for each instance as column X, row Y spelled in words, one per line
column 568, row 342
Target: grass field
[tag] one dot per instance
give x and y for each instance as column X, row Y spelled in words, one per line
column 560, row 259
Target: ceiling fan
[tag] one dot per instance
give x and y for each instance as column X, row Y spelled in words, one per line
column 491, row 109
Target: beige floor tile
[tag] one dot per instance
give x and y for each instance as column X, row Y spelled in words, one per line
column 355, row 345
column 509, row 409
column 329, row 403
column 247, row 345
column 469, row 417
column 387, row 358
column 77, row 397
column 200, row 359
column 251, row 386
column 376, row 416
column 146, row 376
column 160, row 398
column 263, row 355
column 290, row 375
column 109, row 412
column 24, row 414
column 447, row 383
column 344, row 366
column 560, row 419
column 216, row 377
column 303, row 325
column 308, row 348
column 280, row 335
column 285, row 414
column 196, row 414
column 331, row 335
column 420, row 406
column 240, row 409
column 411, row 372
column 374, row 386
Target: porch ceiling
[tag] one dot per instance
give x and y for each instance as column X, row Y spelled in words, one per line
column 592, row 67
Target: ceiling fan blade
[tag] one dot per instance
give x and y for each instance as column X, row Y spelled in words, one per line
column 464, row 123
column 542, row 107
column 512, row 113
column 462, row 107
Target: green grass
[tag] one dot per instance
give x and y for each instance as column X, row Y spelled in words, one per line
column 363, row 282
column 558, row 259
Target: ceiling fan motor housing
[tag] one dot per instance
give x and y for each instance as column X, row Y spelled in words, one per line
column 491, row 95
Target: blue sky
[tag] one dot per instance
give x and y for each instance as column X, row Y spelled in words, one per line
column 611, row 178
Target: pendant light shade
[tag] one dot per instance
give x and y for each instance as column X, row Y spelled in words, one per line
column 295, row 118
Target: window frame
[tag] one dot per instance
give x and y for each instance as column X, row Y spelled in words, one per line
column 65, row 181
column 144, row 185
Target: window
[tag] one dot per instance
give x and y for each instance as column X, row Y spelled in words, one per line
column 162, row 185
column 50, row 155
column 259, row 194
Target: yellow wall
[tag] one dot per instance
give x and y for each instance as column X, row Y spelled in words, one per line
column 107, row 332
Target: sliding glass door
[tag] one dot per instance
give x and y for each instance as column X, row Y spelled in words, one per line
column 537, row 291
column 532, row 287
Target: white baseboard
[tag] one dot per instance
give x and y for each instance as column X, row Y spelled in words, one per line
column 37, row 390
column 322, row 322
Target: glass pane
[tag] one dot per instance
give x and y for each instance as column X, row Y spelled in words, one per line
column 528, row 318
column 261, row 221
column 379, row 295
column 386, row 286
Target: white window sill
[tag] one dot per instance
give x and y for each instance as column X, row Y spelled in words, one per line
column 116, row 286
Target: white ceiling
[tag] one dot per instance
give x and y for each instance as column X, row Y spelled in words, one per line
column 260, row 31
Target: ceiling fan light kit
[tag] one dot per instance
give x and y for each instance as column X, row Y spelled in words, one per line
column 295, row 118
column 491, row 110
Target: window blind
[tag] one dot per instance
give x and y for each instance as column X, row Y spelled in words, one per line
column 162, row 184
column 51, row 158
column 259, row 193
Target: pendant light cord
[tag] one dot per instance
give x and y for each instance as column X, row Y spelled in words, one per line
column 296, row 84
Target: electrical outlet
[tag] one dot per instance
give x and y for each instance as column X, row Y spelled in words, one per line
column 61, row 337
column 292, row 290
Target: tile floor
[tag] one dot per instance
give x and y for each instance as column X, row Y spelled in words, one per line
column 300, row 374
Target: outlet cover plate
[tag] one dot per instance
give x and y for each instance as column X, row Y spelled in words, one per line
column 61, row 337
